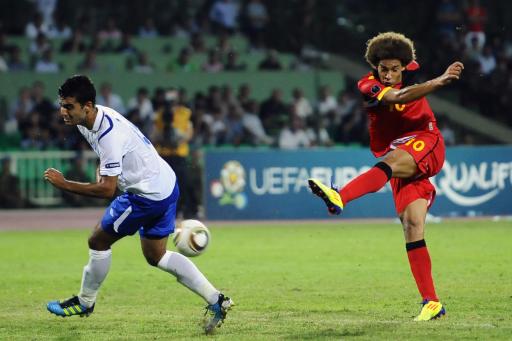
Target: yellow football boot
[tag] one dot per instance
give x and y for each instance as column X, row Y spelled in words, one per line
column 431, row 310
column 329, row 195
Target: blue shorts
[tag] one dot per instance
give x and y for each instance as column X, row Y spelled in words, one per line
column 129, row 213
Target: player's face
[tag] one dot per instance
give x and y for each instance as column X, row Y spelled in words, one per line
column 72, row 112
column 390, row 71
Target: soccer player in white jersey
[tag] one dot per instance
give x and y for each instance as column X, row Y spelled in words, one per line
column 129, row 162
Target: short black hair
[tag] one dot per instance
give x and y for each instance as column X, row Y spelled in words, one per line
column 80, row 87
column 390, row 45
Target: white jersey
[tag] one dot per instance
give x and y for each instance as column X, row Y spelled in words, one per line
column 124, row 151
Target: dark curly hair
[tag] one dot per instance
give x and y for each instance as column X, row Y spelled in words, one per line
column 80, row 87
column 389, row 45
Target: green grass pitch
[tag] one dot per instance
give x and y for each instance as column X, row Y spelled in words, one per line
column 304, row 281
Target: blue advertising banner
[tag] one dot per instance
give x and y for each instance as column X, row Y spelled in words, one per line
column 272, row 184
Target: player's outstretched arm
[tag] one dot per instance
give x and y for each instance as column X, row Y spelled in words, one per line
column 105, row 187
column 416, row 91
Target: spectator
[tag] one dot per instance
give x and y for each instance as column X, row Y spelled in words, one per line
column 38, row 47
column 197, row 43
column 234, row 126
column 10, row 194
column 353, row 127
column 46, row 9
column 213, row 63
column 74, row 44
column 143, row 105
column 143, row 65
column 183, row 27
column 232, row 63
column 59, row 30
column 227, row 96
column 194, row 188
column 97, row 45
column 201, row 123
column 448, row 133
column 223, row 46
column 89, row 63
column 347, row 103
column 218, row 128
column 326, row 101
column 175, row 131
column 36, row 27
column 223, row 15
column 110, row 99
column 32, row 133
column 76, row 172
column 301, row 104
column 20, row 111
column 126, row 46
column 318, row 133
column 109, row 37
column 273, row 111
column 257, row 19
column 148, row 29
column 110, row 31
column 15, row 63
column 244, row 95
column 487, row 61
column 271, row 62
column 183, row 62
column 42, row 104
column 46, row 64
column 293, row 135
column 448, row 19
column 476, row 17
column 253, row 126
column 473, row 51
column 158, row 101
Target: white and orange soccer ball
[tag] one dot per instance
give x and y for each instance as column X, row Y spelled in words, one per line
column 191, row 237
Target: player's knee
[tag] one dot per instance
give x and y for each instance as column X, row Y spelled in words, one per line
column 411, row 224
column 152, row 260
column 153, row 256
column 97, row 244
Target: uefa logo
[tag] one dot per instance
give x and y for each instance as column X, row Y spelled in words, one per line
column 229, row 189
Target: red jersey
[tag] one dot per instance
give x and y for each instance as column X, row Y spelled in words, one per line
column 388, row 122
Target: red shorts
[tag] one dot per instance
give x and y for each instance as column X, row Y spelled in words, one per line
column 427, row 149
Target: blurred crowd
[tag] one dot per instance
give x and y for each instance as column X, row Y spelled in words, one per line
column 50, row 33
column 463, row 33
column 218, row 116
column 476, row 32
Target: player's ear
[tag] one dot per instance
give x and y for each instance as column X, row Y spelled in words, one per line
column 89, row 106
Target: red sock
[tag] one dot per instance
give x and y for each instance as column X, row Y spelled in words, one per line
column 421, row 268
column 368, row 182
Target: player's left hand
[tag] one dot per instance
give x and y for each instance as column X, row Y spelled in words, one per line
column 452, row 73
column 54, row 177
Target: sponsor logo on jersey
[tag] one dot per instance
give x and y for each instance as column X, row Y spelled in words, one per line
column 113, row 165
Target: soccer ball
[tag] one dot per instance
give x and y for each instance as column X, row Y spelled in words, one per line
column 191, row 238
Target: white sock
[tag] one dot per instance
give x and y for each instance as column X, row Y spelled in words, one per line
column 189, row 275
column 94, row 274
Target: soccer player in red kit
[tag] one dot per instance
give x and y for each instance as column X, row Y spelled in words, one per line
column 403, row 130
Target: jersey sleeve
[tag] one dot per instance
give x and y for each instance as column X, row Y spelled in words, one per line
column 111, row 155
column 372, row 89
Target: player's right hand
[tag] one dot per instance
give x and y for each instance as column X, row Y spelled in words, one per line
column 54, row 177
column 452, row 73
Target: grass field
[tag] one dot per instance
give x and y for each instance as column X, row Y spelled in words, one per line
column 302, row 281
